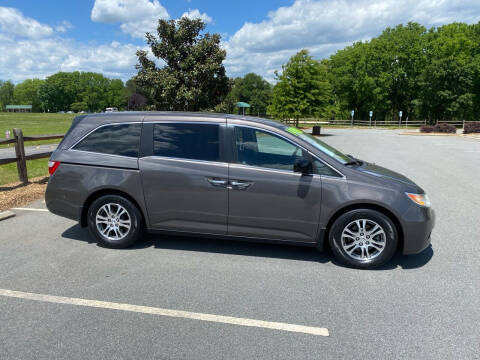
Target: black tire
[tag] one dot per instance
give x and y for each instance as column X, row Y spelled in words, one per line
column 130, row 236
column 389, row 239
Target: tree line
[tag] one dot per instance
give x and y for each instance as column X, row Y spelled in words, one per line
column 431, row 74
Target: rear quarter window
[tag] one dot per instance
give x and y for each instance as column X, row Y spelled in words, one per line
column 117, row 139
column 187, row 141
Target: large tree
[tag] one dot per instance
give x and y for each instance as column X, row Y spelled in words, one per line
column 6, row 94
column 193, row 77
column 78, row 91
column 252, row 89
column 26, row 93
column 302, row 90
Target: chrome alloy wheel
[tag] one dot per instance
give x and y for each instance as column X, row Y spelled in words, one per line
column 363, row 239
column 113, row 221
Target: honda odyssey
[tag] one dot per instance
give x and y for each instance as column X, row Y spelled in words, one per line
column 233, row 177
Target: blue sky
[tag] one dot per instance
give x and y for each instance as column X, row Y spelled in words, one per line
column 38, row 38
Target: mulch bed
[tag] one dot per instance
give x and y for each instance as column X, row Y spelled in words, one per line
column 17, row 194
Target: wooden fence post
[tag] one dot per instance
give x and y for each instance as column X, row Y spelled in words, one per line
column 20, row 153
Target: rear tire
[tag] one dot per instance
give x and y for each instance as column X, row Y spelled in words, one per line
column 115, row 221
column 363, row 238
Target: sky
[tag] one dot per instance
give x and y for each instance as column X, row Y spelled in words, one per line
column 39, row 38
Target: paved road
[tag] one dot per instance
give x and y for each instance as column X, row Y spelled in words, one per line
column 9, row 152
column 418, row 307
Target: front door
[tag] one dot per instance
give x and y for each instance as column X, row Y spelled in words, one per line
column 267, row 199
column 184, row 180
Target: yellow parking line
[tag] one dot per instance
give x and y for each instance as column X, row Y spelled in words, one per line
column 166, row 312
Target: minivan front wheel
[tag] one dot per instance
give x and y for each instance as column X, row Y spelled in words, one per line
column 115, row 221
column 363, row 238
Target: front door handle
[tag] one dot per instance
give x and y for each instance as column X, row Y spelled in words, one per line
column 218, row 182
column 240, row 185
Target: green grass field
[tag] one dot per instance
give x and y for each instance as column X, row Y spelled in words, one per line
column 31, row 124
column 35, row 168
column 35, row 124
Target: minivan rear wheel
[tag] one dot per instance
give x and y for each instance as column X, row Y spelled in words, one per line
column 363, row 238
column 115, row 221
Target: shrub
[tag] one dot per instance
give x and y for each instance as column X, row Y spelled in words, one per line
column 444, row 128
column 439, row 128
column 426, row 129
column 472, row 127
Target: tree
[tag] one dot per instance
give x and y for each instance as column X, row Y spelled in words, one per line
column 6, row 94
column 449, row 82
column 252, row 89
column 81, row 91
column 193, row 77
column 59, row 91
column 302, row 89
column 26, row 93
column 136, row 102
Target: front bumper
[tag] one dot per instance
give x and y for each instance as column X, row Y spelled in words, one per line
column 418, row 223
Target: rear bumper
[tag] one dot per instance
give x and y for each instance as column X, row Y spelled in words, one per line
column 418, row 224
column 59, row 204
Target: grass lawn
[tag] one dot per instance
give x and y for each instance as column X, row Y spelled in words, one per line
column 35, row 168
column 35, row 124
column 31, row 124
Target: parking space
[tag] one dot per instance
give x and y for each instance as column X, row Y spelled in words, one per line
column 423, row 306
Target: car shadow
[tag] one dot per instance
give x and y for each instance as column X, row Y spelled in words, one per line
column 255, row 249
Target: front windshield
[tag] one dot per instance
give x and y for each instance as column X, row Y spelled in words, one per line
column 319, row 144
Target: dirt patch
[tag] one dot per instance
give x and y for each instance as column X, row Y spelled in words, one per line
column 17, row 194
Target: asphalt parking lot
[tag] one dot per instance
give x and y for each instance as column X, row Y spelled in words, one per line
column 424, row 306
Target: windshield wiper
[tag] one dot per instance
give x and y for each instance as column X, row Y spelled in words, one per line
column 354, row 161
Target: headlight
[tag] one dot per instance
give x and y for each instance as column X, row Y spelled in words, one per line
column 419, row 199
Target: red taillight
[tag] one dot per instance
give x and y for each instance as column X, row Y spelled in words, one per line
column 52, row 166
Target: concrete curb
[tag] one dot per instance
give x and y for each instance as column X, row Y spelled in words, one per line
column 4, row 215
column 471, row 136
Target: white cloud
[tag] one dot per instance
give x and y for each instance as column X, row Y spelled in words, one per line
column 64, row 26
column 14, row 23
column 41, row 58
column 135, row 16
column 327, row 25
column 195, row 14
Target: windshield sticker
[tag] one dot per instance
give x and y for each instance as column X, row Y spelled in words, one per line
column 294, row 131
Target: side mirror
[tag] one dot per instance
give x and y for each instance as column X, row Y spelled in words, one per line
column 303, row 166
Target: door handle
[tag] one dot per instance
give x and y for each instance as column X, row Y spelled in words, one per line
column 218, row 182
column 240, row 185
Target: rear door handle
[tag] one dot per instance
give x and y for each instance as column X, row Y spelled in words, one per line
column 240, row 185
column 218, row 182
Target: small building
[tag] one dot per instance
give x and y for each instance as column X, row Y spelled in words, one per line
column 19, row 108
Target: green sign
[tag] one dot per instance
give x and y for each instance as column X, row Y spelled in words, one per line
column 293, row 130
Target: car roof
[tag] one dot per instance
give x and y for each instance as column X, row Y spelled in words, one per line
column 178, row 115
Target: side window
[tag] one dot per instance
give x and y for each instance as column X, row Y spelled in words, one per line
column 259, row 148
column 122, row 139
column 187, row 141
column 323, row 169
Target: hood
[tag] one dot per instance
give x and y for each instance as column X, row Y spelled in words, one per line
column 382, row 172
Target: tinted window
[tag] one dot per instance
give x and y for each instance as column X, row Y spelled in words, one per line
column 323, row 169
column 186, row 141
column 258, row 148
column 121, row 140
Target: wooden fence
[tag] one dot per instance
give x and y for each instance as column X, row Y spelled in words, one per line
column 20, row 156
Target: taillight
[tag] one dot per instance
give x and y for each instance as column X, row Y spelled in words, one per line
column 52, row 166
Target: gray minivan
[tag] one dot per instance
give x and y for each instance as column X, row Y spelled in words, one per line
column 232, row 177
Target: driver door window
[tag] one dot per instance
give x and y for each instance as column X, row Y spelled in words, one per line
column 262, row 149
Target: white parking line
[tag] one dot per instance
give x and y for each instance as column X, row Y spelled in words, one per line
column 29, row 209
column 166, row 312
